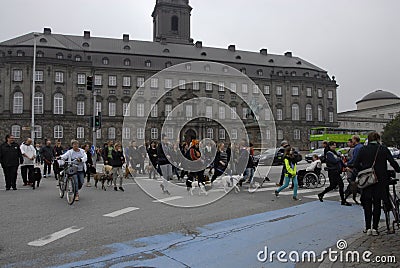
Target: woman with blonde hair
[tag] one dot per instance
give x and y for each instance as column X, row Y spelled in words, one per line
column 117, row 161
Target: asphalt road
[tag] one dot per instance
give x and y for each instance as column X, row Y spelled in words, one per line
column 37, row 226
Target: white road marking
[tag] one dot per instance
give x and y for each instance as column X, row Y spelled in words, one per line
column 53, row 237
column 167, row 199
column 325, row 195
column 302, row 191
column 120, row 212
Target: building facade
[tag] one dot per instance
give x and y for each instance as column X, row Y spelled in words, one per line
column 300, row 94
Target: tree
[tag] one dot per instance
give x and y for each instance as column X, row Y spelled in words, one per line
column 391, row 132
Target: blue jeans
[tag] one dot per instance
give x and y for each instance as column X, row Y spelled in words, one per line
column 79, row 178
column 286, row 184
column 249, row 174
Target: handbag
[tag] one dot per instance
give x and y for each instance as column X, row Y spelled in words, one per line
column 368, row 176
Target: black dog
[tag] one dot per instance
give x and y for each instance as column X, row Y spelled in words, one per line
column 37, row 177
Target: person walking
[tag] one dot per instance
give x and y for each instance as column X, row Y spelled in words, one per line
column 152, row 152
column 107, row 152
column 164, row 157
column 28, row 153
column 220, row 162
column 39, row 160
column 134, row 156
column 58, row 150
column 47, row 154
column 79, row 157
column 376, row 155
column 284, row 145
column 10, row 158
column 195, row 155
column 334, row 164
column 90, row 169
column 290, row 167
column 351, row 174
column 117, row 161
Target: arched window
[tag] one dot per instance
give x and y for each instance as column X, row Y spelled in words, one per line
column 78, row 58
column 295, row 112
column 20, row 53
column 58, row 132
column 147, row 63
column 127, row 47
column 309, row 115
column 127, row 62
column 38, row 103
column 60, row 56
column 16, row 131
column 40, row 54
column 320, row 115
column 58, row 104
column 174, row 23
column 18, row 103
column 105, row 61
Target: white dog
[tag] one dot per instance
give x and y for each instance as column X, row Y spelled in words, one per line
column 231, row 181
column 191, row 185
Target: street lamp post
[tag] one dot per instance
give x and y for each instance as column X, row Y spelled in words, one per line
column 33, row 87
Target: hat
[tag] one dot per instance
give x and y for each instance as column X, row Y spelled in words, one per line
column 284, row 142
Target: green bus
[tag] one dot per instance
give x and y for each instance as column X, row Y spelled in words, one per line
column 338, row 135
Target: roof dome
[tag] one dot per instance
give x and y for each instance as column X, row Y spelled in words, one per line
column 379, row 95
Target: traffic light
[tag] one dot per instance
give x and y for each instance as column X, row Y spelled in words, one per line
column 97, row 121
column 89, row 83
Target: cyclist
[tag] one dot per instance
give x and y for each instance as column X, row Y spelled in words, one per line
column 79, row 157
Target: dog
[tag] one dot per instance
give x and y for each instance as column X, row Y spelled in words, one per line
column 231, row 181
column 105, row 176
column 191, row 185
column 37, row 177
column 129, row 172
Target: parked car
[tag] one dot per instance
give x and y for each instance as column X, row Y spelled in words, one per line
column 395, row 152
column 274, row 156
column 319, row 152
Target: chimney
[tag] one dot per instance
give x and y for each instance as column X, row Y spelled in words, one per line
column 86, row 34
column 264, row 51
column 125, row 37
column 232, row 48
column 288, row 54
column 199, row 44
column 47, row 31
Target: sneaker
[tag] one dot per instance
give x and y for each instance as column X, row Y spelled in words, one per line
column 15, row 189
column 320, row 197
column 88, row 184
column 295, row 198
column 374, row 232
column 115, row 189
column 77, row 198
column 369, row 232
column 276, row 193
column 345, row 203
column 44, row 175
column 122, row 189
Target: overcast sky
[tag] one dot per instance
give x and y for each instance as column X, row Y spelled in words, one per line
column 357, row 41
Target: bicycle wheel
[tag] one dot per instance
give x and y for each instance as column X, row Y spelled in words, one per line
column 61, row 186
column 387, row 219
column 321, row 180
column 395, row 211
column 70, row 188
column 310, row 180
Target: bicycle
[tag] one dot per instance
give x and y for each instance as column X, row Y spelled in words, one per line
column 394, row 203
column 66, row 182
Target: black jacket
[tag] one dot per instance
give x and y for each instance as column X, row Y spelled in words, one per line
column 47, row 152
column 161, row 155
column 118, row 158
column 152, row 152
column 10, row 155
column 366, row 156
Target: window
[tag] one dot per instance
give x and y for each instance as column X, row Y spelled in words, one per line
column 126, row 81
column 210, row 133
column 98, row 108
column 58, row 104
column 182, row 84
column 59, row 77
column 221, row 112
column 293, row 73
column 330, row 94
column 40, row 54
column 80, row 133
column 154, row 111
column 38, row 132
column 189, row 111
column 330, row 115
column 280, row 134
column 295, row 91
column 111, row 133
column 140, row 133
column 16, row 131
column 154, row 133
column 208, row 86
column 233, row 87
column 38, row 103
column 267, row 114
column 168, row 83
column 188, row 67
column 168, row 109
column 245, row 88
column 309, row 116
column 279, row 114
column 98, row 80
column 154, row 93
column 140, row 110
column 233, row 113
column 209, row 111
column 391, row 116
column 147, row 63
column 105, row 61
column 58, row 132
column 295, row 112
column 127, row 62
column 244, row 113
column 196, row 85
column 255, row 89
column 170, row 133
column 222, row 134
column 221, row 86
column 112, row 80
column 17, row 75
column 81, row 79
column 279, row 91
column 320, row 116
column 139, row 82
column 319, row 93
column 39, row 76
column 296, row 134
column 126, row 133
column 98, row 134
column 126, row 111
column 112, row 106
column 80, row 108
column 266, row 90
column 234, row 134
column 268, row 134
column 260, row 72
column 154, row 82
column 174, row 23
column 60, row 56
column 20, row 53
column 18, row 103
column 309, row 92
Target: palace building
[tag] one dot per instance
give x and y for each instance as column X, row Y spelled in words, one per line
column 300, row 94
